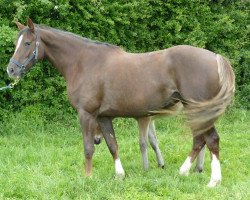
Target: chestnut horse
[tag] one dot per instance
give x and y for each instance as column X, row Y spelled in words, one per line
column 105, row 82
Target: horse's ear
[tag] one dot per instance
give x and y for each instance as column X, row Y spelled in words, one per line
column 31, row 25
column 19, row 25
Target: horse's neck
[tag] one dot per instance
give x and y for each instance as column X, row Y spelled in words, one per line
column 61, row 50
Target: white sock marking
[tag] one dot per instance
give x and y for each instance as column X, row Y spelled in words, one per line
column 215, row 172
column 118, row 168
column 185, row 166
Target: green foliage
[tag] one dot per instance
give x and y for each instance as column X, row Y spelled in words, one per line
column 221, row 26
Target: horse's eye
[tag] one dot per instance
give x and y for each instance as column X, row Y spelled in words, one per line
column 27, row 44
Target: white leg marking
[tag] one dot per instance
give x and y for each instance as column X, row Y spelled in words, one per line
column 215, row 172
column 18, row 43
column 184, row 170
column 119, row 169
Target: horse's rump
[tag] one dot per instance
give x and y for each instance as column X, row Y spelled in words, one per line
column 202, row 114
column 204, row 84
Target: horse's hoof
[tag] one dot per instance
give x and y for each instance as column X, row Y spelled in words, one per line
column 198, row 169
column 213, row 183
column 146, row 168
column 120, row 176
column 161, row 166
column 88, row 176
column 183, row 172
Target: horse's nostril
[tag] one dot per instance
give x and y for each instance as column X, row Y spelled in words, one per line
column 11, row 70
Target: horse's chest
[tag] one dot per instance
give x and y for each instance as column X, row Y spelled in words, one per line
column 83, row 99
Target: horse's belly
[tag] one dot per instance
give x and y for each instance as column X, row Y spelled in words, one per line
column 134, row 106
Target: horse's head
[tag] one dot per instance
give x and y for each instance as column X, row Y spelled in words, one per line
column 28, row 50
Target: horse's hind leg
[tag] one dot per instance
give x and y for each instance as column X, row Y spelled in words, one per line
column 147, row 131
column 109, row 136
column 212, row 141
column 154, row 143
column 198, row 144
column 200, row 160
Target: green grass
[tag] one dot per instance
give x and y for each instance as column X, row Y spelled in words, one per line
column 42, row 159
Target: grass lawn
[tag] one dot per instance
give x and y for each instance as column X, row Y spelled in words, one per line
column 42, row 159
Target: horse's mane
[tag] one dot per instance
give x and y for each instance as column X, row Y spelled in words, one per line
column 76, row 36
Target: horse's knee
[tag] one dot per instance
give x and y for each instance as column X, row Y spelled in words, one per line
column 88, row 150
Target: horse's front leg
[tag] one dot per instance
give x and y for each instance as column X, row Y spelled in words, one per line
column 88, row 125
column 109, row 136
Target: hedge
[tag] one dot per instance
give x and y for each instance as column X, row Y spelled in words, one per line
column 221, row 26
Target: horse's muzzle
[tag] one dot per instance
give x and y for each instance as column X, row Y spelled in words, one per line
column 13, row 71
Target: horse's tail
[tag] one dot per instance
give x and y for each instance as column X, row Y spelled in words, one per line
column 202, row 115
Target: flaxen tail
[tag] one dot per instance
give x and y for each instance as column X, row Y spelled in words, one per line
column 202, row 115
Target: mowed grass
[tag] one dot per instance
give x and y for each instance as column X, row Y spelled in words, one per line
column 42, row 159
